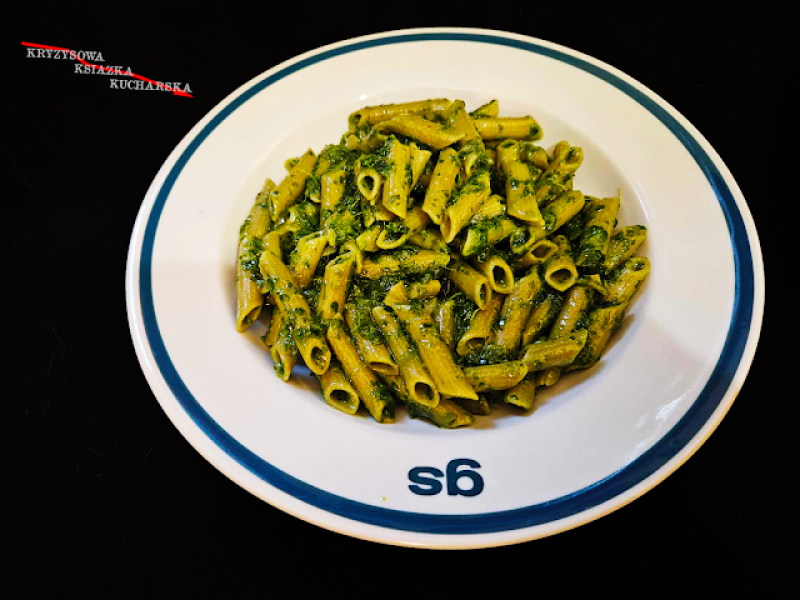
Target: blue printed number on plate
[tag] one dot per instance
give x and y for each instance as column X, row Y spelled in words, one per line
column 426, row 480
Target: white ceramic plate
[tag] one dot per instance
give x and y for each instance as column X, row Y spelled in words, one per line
column 593, row 443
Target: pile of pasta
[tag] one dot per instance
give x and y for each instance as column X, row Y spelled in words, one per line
column 436, row 258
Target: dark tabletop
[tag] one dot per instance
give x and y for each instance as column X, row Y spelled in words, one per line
column 102, row 492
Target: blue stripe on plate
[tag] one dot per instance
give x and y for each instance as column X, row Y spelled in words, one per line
column 584, row 499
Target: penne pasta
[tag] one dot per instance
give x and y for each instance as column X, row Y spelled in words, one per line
column 419, row 383
column 448, row 377
column 372, row 392
column 437, row 258
column 305, row 329
column 481, row 327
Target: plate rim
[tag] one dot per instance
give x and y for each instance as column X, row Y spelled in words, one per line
column 375, row 529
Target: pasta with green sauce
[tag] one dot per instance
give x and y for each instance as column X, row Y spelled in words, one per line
column 436, row 259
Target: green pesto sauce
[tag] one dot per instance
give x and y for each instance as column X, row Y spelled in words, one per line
column 395, row 229
column 345, row 222
column 249, row 259
column 473, row 185
column 313, row 186
column 339, row 156
column 361, row 307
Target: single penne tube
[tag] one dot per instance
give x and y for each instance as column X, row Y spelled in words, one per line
column 313, row 187
column 296, row 218
column 559, row 269
column 499, row 376
column 472, row 282
column 554, row 353
column 420, row 291
column 623, row 245
column 494, row 207
column 576, row 303
column 368, row 239
column 521, row 193
column 502, row 128
column 249, row 299
column 368, row 337
column 369, row 182
column 430, row 239
column 447, row 414
column 419, row 382
column 536, row 254
column 562, row 209
column 566, row 160
column 516, row 310
column 489, row 110
column 487, row 233
column 284, row 352
column 397, row 185
column 445, row 316
column 573, row 228
column 593, row 244
column 600, row 324
column 481, row 325
column 370, row 115
column 448, row 377
column 545, row 309
column 508, row 152
column 624, row 282
column 259, row 219
column 306, row 330
column 428, row 132
column 524, row 237
column 393, row 235
column 403, row 261
column 332, row 188
column 305, row 257
column 418, row 159
column 272, row 243
column 474, row 407
column 275, row 325
column 334, row 287
column 547, row 191
column 371, row 390
column 338, row 391
column 293, row 184
column 250, row 287
column 522, row 394
column 457, row 119
column 535, row 155
column 466, row 203
column 401, row 292
column 443, row 181
column 391, row 238
column 473, row 158
column 497, row 272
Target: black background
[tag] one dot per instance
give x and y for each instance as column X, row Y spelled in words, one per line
column 104, row 495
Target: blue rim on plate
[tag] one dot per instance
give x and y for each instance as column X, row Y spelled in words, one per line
column 613, row 485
